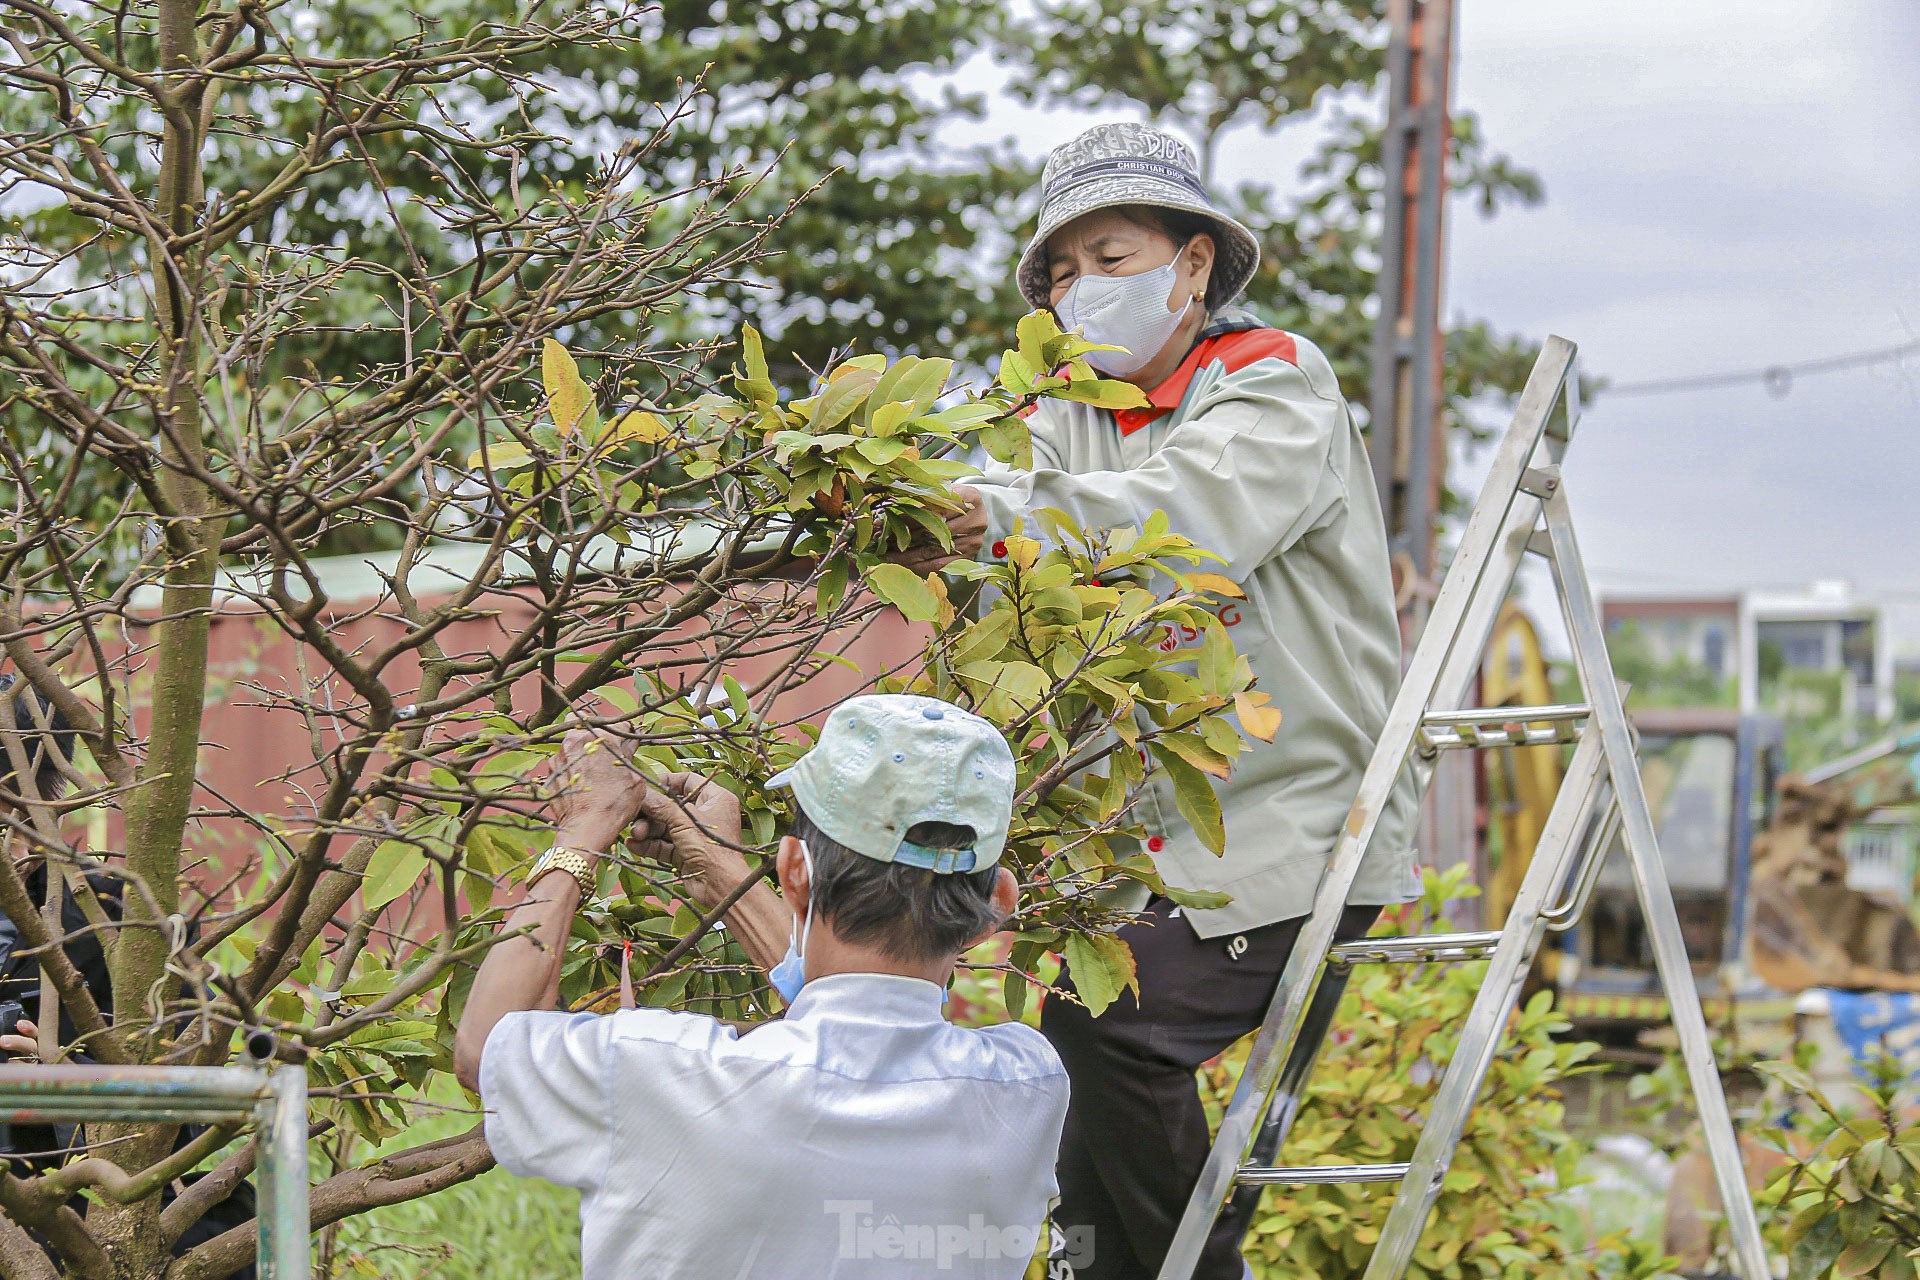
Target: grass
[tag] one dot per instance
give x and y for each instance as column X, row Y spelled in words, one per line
column 492, row 1226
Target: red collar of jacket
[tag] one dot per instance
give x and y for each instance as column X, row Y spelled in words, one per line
column 1235, row 350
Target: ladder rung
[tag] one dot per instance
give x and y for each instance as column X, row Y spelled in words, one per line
column 1510, row 715
column 1415, row 950
column 1502, row 727
column 1309, row 1174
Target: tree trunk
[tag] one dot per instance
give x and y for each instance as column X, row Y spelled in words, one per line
column 156, row 811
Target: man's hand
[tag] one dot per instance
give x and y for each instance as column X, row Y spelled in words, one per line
column 597, row 791
column 694, row 824
column 26, row 1044
column 968, row 525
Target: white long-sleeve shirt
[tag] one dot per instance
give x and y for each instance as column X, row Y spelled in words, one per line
column 861, row 1137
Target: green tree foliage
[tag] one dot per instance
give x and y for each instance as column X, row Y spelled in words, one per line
column 665, row 572
column 832, row 115
column 1850, row 1198
column 1677, row 681
column 1501, row 1213
column 1495, row 1217
column 1206, row 68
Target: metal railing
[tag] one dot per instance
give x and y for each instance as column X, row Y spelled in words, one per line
column 274, row 1100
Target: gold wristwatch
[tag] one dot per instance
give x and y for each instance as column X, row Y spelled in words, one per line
column 572, row 861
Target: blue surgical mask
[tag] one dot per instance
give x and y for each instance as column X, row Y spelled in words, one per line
column 1123, row 311
column 791, row 973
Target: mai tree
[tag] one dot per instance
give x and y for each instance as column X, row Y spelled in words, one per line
column 265, row 298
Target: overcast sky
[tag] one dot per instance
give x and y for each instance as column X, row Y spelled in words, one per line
column 1730, row 184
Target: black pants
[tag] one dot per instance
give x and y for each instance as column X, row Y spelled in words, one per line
column 1136, row 1134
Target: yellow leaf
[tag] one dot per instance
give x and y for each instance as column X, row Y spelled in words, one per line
column 640, row 425
column 568, row 399
column 888, row 417
column 1257, row 714
column 1035, row 330
column 1215, row 584
column 507, row 455
column 870, row 364
column 1022, row 551
column 1103, row 394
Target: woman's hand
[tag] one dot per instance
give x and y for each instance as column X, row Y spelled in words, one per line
column 24, row 1043
column 968, row 526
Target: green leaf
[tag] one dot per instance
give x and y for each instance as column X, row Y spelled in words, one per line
column 1009, row 442
column 1198, row 899
column 1014, row 990
column 1860, row 1259
column 1793, row 1077
column 917, row 381
column 1195, row 751
column 757, row 386
column 1033, row 332
column 888, row 418
column 843, row 396
column 905, row 590
column 984, row 639
column 1223, row 738
column 832, row 589
column 965, row 417
column 396, row 866
column 1814, row 1252
column 369, row 984
column 1102, row 967
column 1105, row 393
column 1017, row 373
column 882, row 451
column 1195, row 797
column 1215, row 670
column 388, row 1028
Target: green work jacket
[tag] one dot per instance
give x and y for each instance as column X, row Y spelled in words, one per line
column 1251, row 451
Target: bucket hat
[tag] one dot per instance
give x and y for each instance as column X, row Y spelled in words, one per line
column 1121, row 164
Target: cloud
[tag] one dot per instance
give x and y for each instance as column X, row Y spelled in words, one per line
column 1728, row 186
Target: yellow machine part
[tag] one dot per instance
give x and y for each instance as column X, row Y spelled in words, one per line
column 1521, row 781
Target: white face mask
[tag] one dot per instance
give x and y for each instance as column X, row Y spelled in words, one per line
column 1123, row 311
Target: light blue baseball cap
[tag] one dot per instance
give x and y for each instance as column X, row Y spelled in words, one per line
column 887, row 761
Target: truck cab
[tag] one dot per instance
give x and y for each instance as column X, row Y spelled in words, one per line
column 1710, row 776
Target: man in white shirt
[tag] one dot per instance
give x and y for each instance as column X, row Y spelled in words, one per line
column 862, row 1136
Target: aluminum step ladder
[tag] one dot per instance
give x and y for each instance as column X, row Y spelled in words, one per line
column 1522, row 509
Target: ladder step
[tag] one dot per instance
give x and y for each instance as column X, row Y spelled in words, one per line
column 1502, row 727
column 1415, row 950
column 1300, row 1175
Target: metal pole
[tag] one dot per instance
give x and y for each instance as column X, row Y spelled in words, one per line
column 1656, row 895
column 1291, row 1093
column 1480, row 1034
column 284, row 1217
column 1408, row 441
column 276, row 1103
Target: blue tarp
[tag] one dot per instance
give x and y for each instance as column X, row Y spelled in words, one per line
column 1871, row 1021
